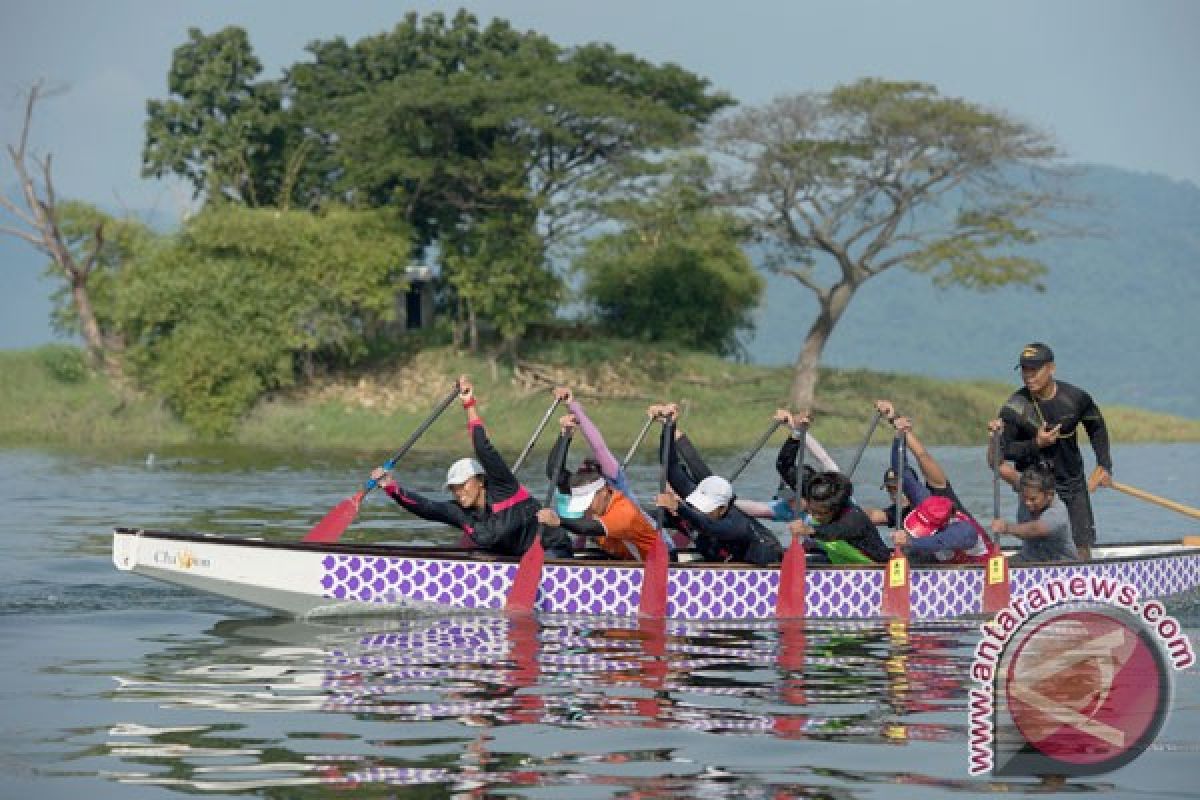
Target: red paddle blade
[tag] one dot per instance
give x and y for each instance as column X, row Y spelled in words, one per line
column 997, row 591
column 792, row 575
column 654, row 581
column 522, row 595
column 336, row 521
column 895, row 588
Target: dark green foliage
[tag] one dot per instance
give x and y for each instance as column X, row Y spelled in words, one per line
column 497, row 271
column 487, row 143
column 493, row 143
column 221, row 129
column 243, row 302
column 676, row 273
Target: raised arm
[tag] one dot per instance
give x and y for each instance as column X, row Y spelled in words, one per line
column 608, row 462
column 677, row 477
column 501, row 482
column 556, row 472
column 821, row 455
column 935, row 476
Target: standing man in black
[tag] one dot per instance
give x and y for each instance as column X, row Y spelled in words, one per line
column 1041, row 426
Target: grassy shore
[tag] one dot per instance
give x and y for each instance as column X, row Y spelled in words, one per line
column 46, row 402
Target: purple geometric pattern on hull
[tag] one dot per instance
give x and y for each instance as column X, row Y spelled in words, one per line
column 710, row 592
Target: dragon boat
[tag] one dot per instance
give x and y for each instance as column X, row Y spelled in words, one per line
column 304, row 578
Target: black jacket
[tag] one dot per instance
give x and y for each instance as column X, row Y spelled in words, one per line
column 733, row 537
column 1070, row 407
column 508, row 522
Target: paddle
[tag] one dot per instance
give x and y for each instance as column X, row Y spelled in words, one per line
column 1142, row 494
column 337, row 520
column 794, row 570
column 654, row 572
column 533, row 439
column 997, row 592
column 522, row 595
column 895, row 600
column 863, row 444
column 637, row 442
column 762, row 440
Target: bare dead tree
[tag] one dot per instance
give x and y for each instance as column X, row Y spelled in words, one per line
column 37, row 222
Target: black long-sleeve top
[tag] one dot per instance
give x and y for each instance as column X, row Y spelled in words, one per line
column 507, row 524
column 1070, row 407
column 854, row 527
column 732, row 537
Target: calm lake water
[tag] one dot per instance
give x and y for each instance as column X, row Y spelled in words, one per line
column 117, row 686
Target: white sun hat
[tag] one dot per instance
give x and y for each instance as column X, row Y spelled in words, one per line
column 711, row 493
column 581, row 496
column 461, row 470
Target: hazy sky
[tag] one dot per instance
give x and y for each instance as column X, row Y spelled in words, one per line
column 1116, row 81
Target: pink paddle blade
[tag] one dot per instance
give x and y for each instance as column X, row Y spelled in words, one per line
column 522, row 595
column 654, row 581
column 792, row 576
column 895, row 601
column 336, row 521
column 997, row 590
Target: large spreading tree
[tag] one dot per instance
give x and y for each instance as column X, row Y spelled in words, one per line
column 845, row 185
column 489, row 142
column 493, row 143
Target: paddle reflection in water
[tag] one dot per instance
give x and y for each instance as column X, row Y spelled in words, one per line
column 478, row 704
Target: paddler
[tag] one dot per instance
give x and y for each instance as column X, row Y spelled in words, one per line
column 490, row 505
column 706, row 506
column 599, row 501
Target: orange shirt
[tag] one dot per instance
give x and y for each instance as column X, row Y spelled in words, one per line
column 624, row 522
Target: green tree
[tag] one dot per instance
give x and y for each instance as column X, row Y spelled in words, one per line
column 437, row 116
column 466, row 132
column 122, row 241
column 848, row 184
column 675, row 272
column 245, row 301
column 221, row 128
column 470, row 130
column 495, row 271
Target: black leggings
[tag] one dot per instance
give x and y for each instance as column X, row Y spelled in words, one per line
column 1079, row 510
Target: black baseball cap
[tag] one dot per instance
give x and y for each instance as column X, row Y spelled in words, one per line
column 1034, row 355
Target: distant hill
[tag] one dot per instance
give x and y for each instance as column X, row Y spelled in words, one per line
column 1122, row 312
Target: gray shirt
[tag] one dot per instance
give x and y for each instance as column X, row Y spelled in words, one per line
column 1055, row 546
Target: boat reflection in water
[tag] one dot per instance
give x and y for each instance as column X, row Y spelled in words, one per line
column 478, row 703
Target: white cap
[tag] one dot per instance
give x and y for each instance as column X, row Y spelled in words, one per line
column 461, row 470
column 712, row 492
column 581, row 496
